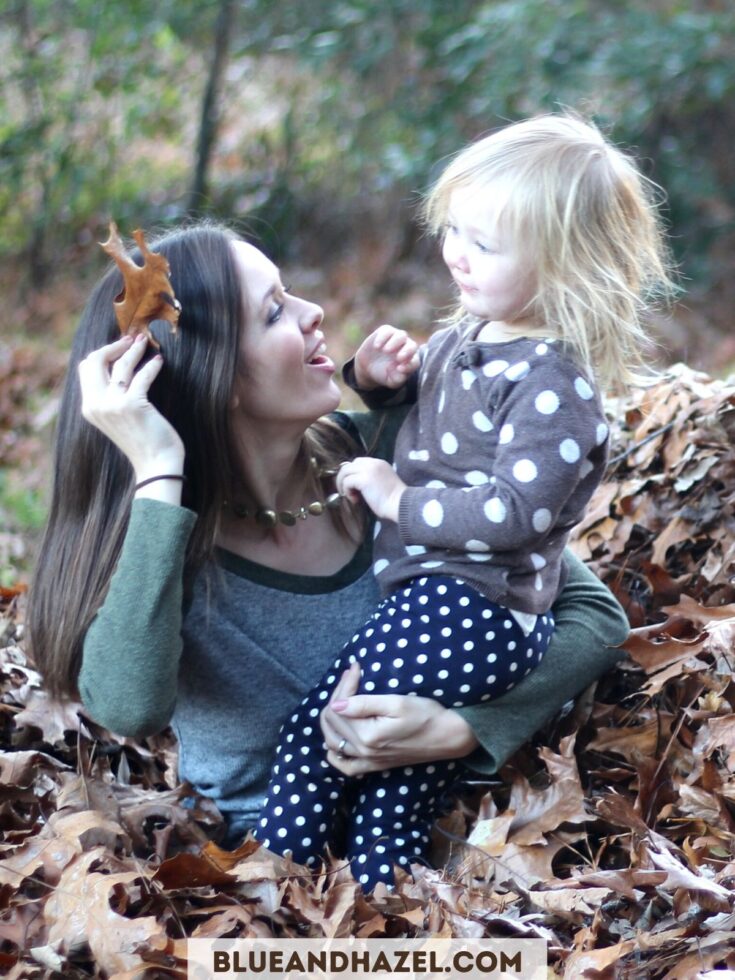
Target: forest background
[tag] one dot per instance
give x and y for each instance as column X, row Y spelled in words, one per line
column 314, row 127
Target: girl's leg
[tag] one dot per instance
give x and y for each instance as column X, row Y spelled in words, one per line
column 392, row 818
column 304, row 792
column 439, row 639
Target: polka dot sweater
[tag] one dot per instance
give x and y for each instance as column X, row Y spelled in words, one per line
column 501, row 453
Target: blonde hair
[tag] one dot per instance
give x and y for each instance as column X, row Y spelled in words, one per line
column 587, row 219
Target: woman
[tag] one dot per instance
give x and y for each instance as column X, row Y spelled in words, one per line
column 158, row 599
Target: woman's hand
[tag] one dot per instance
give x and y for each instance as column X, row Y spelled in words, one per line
column 381, row 731
column 115, row 401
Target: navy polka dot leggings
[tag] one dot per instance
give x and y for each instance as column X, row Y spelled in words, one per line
column 438, row 638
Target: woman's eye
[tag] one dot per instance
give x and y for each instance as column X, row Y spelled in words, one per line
column 275, row 314
column 277, row 310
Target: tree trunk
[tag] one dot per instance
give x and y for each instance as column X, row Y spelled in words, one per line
column 209, row 122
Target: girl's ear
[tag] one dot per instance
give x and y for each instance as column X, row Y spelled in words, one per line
column 234, row 403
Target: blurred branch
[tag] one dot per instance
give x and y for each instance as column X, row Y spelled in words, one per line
column 209, row 122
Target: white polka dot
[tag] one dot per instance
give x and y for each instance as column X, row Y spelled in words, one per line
column 541, row 519
column 585, row 469
column 506, row 434
column 477, row 478
column 475, row 545
column 398, row 662
column 542, row 349
column 495, row 510
column 377, row 529
column 468, row 377
column 538, row 561
column 569, row 451
column 442, row 397
column 393, row 682
column 442, row 674
column 481, row 422
column 431, row 564
column 547, row 402
column 415, row 549
column 380, row 566
column 517, row 371
column 419, row 454
column 417, row 678
column 422, row 658
column 583, row 389
column 538, row 583
column 433, row 513
column 493, row 368
column 491, row 679
column 282, row 831
column 525, row 471
column 449, row 443
column 601, row 434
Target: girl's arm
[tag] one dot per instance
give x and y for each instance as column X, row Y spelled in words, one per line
column 385, row 731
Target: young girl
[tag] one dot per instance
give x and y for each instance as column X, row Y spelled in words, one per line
column 552, row 239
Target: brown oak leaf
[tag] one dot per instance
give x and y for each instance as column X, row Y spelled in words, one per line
column 147, row 293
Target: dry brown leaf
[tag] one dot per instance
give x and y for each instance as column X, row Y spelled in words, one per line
column 80, row 911
column 147, row 293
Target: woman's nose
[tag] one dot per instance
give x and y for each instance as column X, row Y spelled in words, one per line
column 311, row 317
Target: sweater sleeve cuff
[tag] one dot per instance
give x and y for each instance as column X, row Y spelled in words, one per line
column 381, row 397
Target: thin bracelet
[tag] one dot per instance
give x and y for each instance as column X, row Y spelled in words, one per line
column 163, row 476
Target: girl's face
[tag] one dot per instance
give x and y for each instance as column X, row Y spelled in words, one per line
column 494, row 281
column 287, row 377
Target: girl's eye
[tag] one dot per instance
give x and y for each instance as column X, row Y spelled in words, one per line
column 483, row 249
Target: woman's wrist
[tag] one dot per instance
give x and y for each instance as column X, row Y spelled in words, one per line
column 458, row 738
column 161, row 478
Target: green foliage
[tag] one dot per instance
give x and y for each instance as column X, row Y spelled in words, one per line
column 337, row 110
column 403, row 84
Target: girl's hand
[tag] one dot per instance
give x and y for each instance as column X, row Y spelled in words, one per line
column 386, row 730
column 386, row 359
column 378, row 483
column 115, row 401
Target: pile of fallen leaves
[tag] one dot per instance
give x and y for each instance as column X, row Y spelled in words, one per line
column 612, row 838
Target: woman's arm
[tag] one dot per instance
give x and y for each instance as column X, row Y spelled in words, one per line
column 590, row 626
column 130, row 664
column 389, row 731
column 131, row 651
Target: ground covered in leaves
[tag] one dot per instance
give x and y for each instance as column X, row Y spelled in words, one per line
column 612, row 837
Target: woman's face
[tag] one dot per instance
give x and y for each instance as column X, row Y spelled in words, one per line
column 286, row 376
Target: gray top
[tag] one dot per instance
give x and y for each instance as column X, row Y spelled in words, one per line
column 252, row 651
column 501, row 453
